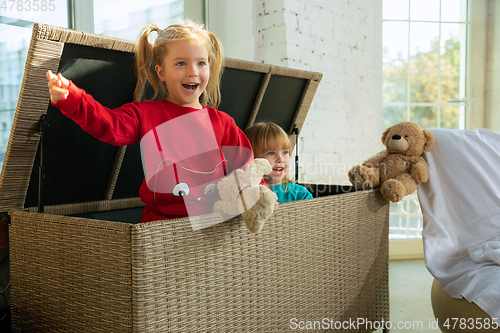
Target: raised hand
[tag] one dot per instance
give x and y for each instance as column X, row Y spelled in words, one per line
column 58, row 87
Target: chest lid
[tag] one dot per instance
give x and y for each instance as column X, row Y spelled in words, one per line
column 79, row 168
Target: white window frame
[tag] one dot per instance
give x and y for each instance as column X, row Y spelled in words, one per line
column 82, row 14
column 478, row 34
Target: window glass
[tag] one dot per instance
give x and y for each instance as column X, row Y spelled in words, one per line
column 425, row 116
column 424, row 62
column 395, row 61
column 393, row 114
column 450, row 10
column 450, row 116
column 452, row 47
column 395, row 9
column 14, row 43
column 16, row 25
column 25, row 13
column 424, row 10
column 125, row 18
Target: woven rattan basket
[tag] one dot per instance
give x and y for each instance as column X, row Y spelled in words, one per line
column 86, row 265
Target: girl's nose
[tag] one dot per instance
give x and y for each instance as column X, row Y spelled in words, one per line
column 192, row 72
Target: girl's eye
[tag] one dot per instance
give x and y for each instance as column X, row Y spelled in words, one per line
column 181, row 190
column 270, row 153
column 181, row 63
column 285, row 152
column 202, row 63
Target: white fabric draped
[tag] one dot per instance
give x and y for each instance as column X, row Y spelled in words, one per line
column 461, row 208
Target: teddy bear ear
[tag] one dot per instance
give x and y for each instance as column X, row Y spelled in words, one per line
column 384, row 135
column 430, row 141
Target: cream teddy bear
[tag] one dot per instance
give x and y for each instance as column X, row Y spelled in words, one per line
column 241, row 193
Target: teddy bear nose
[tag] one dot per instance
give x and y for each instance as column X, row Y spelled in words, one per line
column 396, row 137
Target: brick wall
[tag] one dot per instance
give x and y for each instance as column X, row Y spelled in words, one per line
column 334, row 37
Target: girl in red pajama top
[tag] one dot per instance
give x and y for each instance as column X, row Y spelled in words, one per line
column 186, row 145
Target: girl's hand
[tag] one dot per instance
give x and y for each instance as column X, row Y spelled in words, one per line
column 58, row 87
column 276, row 205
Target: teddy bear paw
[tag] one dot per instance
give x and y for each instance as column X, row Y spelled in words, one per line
column 253, row 225
column 420, row 173
column 256, row 216
column 393, row 190
column 362, row 177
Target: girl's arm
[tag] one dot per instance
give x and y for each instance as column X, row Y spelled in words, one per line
column 114, row 126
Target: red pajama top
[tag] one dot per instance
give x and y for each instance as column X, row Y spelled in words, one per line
column 185, row 151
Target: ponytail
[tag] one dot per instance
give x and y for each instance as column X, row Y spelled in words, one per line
column 211, row 96
column 144, row 63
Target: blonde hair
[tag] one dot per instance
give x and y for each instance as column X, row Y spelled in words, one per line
column 147, row 56
column 263, row 135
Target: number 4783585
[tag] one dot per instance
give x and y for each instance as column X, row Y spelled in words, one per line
column 28, row 5
column 471, row 323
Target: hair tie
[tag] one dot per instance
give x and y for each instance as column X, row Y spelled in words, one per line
column 159, row 31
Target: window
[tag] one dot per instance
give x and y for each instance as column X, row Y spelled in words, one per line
column 425, row 69
column 125, row 18
column 16, row 24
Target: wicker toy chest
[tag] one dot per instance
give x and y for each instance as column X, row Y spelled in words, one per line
column 81, row 262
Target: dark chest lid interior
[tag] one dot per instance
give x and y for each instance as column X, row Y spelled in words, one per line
column 77, row 166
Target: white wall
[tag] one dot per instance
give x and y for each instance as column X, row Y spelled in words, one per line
column 492, row 109
column 334, row 37
column 479, row 21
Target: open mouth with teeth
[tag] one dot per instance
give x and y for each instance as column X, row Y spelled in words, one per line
column 278, row 171
column 190, row 86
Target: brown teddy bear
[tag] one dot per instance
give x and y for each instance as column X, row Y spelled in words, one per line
column 399, row 168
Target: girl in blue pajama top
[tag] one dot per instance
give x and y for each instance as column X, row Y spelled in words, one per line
column 271, row 142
